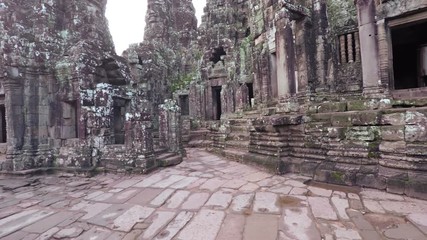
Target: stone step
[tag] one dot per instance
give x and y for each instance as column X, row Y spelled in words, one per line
column 263, row 151
column 239, row 129
column 235, row 154
column 199, row 143
column 160, row 150
column 238, row 122
column 166, row 155
column 201, row 134
column 171, row 160
column 238, row 137
column 237, row 144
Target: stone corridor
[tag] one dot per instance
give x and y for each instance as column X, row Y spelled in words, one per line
column 205, row 197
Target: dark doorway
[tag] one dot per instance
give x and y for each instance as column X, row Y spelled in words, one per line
column 217, row 54
column 184, row 104
column 119, row 112
column 3, row 133
column 216, row 94
column 407, row 42
column 250, row 92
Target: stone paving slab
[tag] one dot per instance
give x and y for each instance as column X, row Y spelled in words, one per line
column 205, row 197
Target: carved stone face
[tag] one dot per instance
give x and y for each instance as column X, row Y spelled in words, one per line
column 154, row 12
column 155, row 19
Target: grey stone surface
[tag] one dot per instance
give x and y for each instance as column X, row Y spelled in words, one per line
column 161, row 219
column 205, row 225
column 128, row 219
column 322, row 208
column 299, row 224
column 219, row 200
column 188, row 210
column 71, row 232
column 266, row 202
column 232, row 227
column 420, row 220
column 260, row 226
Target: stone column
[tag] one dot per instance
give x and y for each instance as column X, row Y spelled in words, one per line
column 139, row 140
column 242, row 98
column 301, row 52
column 14, row 103
column 321, row 25
column 170, row 126
column 285, row 54
column 368, row 45
column 163, row 128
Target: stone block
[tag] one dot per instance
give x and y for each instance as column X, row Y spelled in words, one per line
column 357, row 105
column 393, row 147
column 371, row 181
column 322, row 172
column 416, row 185
column 416, row 133
column 369, row 169
column 396, row 185
column 341, row 120
column 324, row 117
column 332, row 107
column 366, row 118
column 336, row 133
column 393, row 133
column 417, row 149
column 395, row 119
column 308, row 168
column 415, row 117
column 363, row 133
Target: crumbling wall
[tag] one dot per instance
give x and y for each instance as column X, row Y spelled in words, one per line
column 163, row 58
column 62, row 83
column 323, row 104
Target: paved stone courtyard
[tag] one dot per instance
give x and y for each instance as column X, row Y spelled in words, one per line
column 205, row 197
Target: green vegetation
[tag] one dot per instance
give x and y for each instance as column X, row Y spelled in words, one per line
column 337, row 176
column 182, row 82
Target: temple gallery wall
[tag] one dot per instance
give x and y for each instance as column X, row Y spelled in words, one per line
column 331, row 89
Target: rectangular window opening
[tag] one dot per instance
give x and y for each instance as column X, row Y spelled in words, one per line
column 348, row 48
column 216, row 95
column 250, row 92
column 409, row 46
column 3, row 129
column 184, row 104
column 119, row 117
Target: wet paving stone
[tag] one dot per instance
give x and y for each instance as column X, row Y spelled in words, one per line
column 205, row 197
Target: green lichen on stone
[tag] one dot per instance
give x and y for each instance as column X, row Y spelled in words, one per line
column 341, row 13
column 182, row 82
column 337, row 176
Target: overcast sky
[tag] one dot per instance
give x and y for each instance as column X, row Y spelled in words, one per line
column 127, row 20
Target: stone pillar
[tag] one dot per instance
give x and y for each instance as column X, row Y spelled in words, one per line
column 321, row 23
column 14, row 103
column 285, row 54
column 170, row 126
column 357, row 46
column 139, row 140
column 342, row 50
column 368, row 45
column 163, row 128
column 301, row 52
column 383, row 53
column 242, row 97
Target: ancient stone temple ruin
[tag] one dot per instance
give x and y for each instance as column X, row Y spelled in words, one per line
column 68, row 100
column 331, row 89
